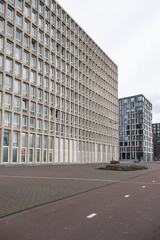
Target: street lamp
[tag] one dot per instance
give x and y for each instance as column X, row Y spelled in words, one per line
column 112, row 122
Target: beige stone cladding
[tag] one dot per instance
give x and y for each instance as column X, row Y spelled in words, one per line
column 58, row 89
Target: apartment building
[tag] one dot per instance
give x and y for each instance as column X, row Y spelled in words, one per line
column 135, row 129
column 58, row 89
column 156, row 141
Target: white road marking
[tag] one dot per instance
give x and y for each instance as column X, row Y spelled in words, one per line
column 126, row 196
column 92, row 215
column 143, row 186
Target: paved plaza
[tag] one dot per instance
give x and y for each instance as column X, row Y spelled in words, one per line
column 23, row 188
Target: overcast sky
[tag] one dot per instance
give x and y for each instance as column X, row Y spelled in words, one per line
column 128, row 31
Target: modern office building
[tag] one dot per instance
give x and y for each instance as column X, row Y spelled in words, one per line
column 135, row 129
column 156, row 141
column 58, row 89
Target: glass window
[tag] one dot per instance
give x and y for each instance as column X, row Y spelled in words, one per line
column 27, row 11
column 7, row 99
column 24, row 105
column 25, row 89
column 1, row 43
column 32, row 124
column 8, row 82
column 39, row 125
column 7, row 119
column 15, row 146
column 26, row 26
column 17, row 52
column 8, row 65
column 32, row 92
column 33, row 77
column 9, row 48
column 18, row 20
column 10, row 14
column 6, row 143
column 26, row 42
column 17, row 69
column 24, row 122
column 34, row 17
column 25, row 57
column 32, row 108
column 16, row 120
column 16, row 103
column 1, row 25
column 19, row 5
column 25, row 73
column 1, row 61
column 9, row 31
column 18, row 36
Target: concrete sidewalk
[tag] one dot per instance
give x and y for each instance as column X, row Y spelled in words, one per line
column 22, row 188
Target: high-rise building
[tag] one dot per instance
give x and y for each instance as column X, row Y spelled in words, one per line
column 135, row 129
column 58, row 89
column 156, row 141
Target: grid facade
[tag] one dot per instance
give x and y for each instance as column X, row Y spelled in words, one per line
column 58, row 89
column 135, row 129
column 156, row 141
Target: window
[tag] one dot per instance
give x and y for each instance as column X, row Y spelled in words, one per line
column 33, row 77
column 17, row 52
column 39, row 80
column 34, row 31
column 6, row 143
column 40, row 22
column 26, row 41
column 40, row 50
column 39, row 95
column 51, row 99
column 10, row 14
column 9, row 31
column 16, row 120
column 18, row 37
column 32, row 124
column 25, row 57
column 8, row 81
column 18, row 20
column 16, row 86
column 19, row 5
column 33, row 61
column 32, row 92
column 7, row 119
column 26, row 26
column 9, row 48
column 32, row 108
column 1, row 61
column 45, row 127
column 1, row 8
column 39, row 125
column 25, row 73
column 15, row 146
column 17, row 69
column 25, row 105
column 34, row 17
column 40, row 36
column 8, row 65
column 40, row 65
column 27, row 11
column 45, row 97
column 1, row 43
column 45, row 112
column 24, row 122
column 25, row 89
column 1, row 25
column 16, row 103
column 39, row 110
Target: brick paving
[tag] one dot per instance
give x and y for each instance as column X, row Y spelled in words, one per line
column 22, row 188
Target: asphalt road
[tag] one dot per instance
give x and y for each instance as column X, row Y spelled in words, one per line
column 128, row 210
